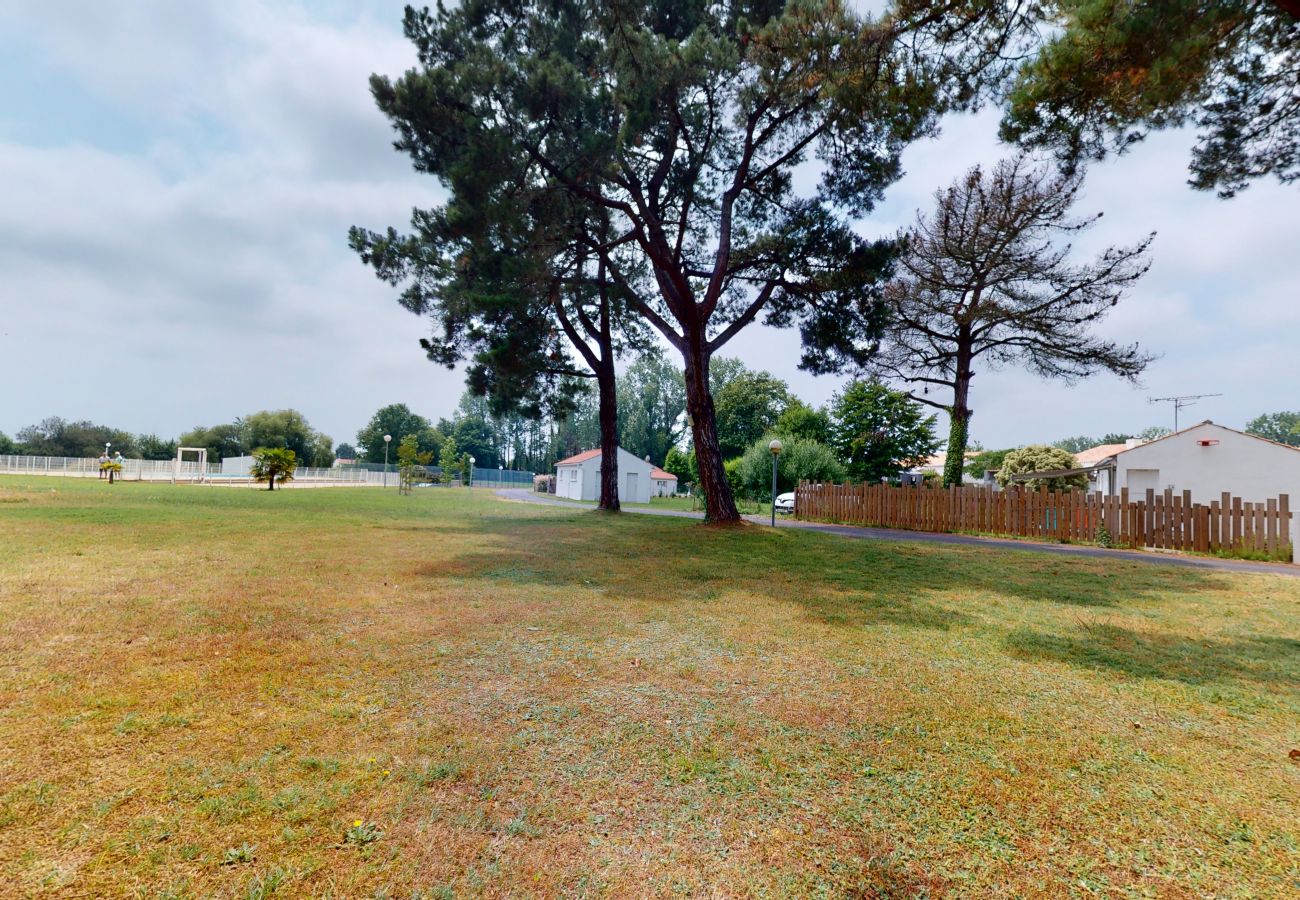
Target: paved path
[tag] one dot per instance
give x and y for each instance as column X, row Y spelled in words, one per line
column 925, row 537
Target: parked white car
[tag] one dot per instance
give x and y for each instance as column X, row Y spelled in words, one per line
column 785, row 503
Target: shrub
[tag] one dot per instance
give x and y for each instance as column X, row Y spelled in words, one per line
column 1040, row 458
column 800, row 460
column 273, row 464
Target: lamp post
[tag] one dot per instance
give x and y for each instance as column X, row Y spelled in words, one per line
column 469, row 476
column 501, row 475
column 388, row 439
column 776, row 447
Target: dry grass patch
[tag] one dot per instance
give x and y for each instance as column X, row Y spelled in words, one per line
column 352, row 694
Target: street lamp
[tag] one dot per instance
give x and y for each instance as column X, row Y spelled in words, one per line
column 776, row 447
column 501, row 474
column 388, row 439
column 469, row 476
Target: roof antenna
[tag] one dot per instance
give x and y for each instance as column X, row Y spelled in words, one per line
column 1181, row 402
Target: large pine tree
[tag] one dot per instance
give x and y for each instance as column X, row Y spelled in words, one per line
column 679, row 126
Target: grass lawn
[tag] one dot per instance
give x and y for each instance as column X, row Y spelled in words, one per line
column 683, row 504
column 203, row 690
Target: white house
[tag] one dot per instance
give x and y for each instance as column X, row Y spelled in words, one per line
column 578, row 477
column 664, row 484
column 1207, row 460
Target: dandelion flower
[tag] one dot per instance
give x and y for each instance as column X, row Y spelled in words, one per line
column 356, row 824
column 386, row 772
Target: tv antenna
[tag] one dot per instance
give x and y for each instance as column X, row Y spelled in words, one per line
column 1181, row 402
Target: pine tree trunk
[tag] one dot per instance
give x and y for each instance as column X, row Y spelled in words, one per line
column 959, row 419
column 719, row 505
column 608, row 437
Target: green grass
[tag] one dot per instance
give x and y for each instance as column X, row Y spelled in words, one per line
column 349, row 693
column 683, row 504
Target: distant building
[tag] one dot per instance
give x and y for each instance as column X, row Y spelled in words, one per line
column 1206, row 459
column 664, row 484
column 578, row 477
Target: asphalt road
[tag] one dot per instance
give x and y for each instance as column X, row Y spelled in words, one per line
column 923, row 537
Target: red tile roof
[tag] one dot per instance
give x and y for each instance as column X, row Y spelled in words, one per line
column 656, row 472
column 1094, row 455
column 579, row 458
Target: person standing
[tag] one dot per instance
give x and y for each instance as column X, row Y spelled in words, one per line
column 103, row 458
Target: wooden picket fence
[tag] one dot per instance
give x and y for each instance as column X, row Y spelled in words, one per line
column 1165, row 520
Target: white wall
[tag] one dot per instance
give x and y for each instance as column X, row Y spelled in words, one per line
column 1244, row 466
column 565, row 484
column 587, row 487
column 664, row 487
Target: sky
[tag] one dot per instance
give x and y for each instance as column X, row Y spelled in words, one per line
column 177, row 181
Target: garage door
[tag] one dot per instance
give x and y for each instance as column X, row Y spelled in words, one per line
column 1140, row 480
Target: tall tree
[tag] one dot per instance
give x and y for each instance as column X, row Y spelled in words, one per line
column 799, row 420
column 150, row 446
column 396, row 420
column 681, row 126
column 1077, row 444
column 651, row 407
column 221, row 441
column 288, row 429
column 7, row 446
column 59, row 437
column 878, row 432
column 520, row 295
column 986, row 282
column 1112, row 70
column 747, row 407
column 1283, row 427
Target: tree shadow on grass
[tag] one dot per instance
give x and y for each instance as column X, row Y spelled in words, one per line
column 1173, row 657
column 838, row 581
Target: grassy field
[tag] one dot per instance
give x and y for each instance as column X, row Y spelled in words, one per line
column 685, row 504
column 348, row 693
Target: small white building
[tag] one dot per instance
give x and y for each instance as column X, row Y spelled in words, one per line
column 663, row 484
column 1208, row 460
column 578, row 477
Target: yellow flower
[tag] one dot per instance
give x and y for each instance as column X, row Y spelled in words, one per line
column 356, row 824
column 385, row 771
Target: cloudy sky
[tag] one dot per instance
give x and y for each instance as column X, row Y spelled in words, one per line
column 178, row 180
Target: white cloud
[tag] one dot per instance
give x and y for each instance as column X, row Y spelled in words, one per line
column 207, row 275
column 210, row 276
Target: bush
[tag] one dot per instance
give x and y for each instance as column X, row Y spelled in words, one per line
column 1040, row 458
column 800, row 460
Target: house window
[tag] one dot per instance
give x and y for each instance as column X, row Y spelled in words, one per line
column 573, row 474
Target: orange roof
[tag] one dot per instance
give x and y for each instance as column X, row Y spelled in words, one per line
column 1094, row 455
column 579, row 457
column 656, row 472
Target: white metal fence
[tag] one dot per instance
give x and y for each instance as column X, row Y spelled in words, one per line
column 167, row 470
column 191, row 471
